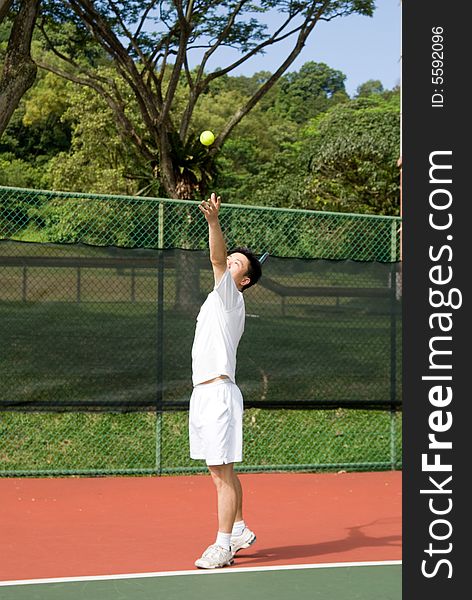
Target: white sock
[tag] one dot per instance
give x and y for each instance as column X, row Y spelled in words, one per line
column 223, row 540
column 238, row 527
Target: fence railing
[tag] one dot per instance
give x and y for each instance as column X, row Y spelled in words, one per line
column 87, row 331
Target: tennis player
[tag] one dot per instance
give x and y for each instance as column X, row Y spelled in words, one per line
column 216, row 405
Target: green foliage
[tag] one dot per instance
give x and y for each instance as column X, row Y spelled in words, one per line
column 16, row 172
column 138, row 134
column 45, row 105
column 277, row 181
column 342, row 160
column 368, row 88
column 113, row 139
column 245, row 87
column 99, row 160
column 354, row 150
column 97, row 222
column 68, row 34
column 36, row 133
column 65, row 136
column 5, row 28
column 310, row 91
column 148, row 47
column 261, row 150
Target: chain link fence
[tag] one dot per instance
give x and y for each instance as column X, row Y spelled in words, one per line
column 134, row 222
column 98, row 320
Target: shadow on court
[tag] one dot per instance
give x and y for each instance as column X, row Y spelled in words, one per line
column 356, row 539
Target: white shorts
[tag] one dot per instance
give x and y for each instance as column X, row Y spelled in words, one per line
column 216, row 422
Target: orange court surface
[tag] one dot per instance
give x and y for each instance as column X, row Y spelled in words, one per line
column 73, row 527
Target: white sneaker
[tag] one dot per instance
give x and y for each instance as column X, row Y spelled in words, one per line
column 246, row 539
column 215, row 557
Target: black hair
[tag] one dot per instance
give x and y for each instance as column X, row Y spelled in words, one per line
column 254, row 271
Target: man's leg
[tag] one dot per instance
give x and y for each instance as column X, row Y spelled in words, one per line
column 239, row 491
column 220, row 554
column 230, row 508
column 242, row 536
column 229, row 493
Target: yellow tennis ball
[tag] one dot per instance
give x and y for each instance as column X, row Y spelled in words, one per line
column 207, row 138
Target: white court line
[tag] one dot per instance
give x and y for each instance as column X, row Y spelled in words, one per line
column 198, row 572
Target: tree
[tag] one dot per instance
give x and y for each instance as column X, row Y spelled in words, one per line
column 149, row 45
column 354, row 151
column 368, row 88
column 310, row 91
column 19, row 70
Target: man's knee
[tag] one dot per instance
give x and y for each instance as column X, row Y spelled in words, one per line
column 222, row 474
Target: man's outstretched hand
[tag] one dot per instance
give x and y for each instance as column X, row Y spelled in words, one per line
column 211, row 208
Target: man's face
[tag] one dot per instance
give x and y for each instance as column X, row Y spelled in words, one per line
column 238, row 264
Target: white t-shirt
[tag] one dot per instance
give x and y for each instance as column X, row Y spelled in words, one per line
column 220, row 325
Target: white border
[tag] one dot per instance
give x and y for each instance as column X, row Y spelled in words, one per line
column 197, row 572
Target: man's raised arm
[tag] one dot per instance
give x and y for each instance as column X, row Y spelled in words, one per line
column 211, row 208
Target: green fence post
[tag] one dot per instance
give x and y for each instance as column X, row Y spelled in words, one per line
column 160, row 339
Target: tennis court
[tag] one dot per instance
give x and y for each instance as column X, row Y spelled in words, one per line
column 330, row 535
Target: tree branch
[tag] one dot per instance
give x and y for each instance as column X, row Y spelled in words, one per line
column 127, row 33
column 164, row 43
column 310, row 21
column 116, row 105
column 201, row 85
column 221, row 37
column 149, row 104
column 143, row 18
column 69, row 61
column 185, row 29
column 147, row 63
column 272, row 40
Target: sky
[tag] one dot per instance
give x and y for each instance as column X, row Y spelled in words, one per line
column 361, row 47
